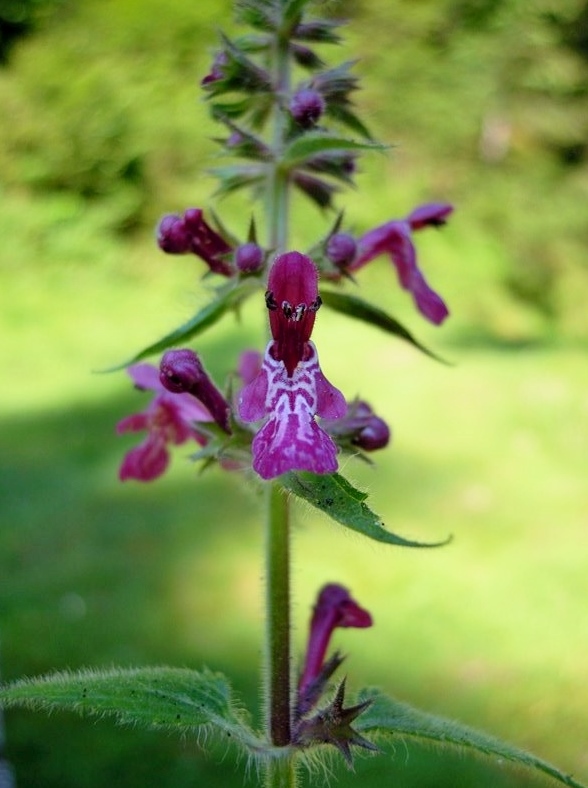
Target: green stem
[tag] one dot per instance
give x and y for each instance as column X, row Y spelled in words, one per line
column 280, row 771
column 278, row 615
column 277, row 191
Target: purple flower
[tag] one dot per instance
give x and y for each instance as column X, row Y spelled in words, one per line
column 334, row 608
column 168, row 419
column 395, row 239
column 190, row 233
column 290, row 389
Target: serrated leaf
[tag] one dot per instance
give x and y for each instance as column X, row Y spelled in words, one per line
column 356, row 307
column 343, row 502
column 315, row 143
column 176, row 699
column 386, row 715
column 227, row 299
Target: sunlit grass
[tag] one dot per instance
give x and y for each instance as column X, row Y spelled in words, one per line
column 489, row 629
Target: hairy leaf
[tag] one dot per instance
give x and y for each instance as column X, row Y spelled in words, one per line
column 386, row 715
column 176, row 699
column 362, row 310
column 335, row 496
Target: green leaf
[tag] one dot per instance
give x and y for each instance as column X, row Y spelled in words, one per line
column 386, row 715
column 313, row 143
column 335, row 496
column 362, row 310
column 348, row 118
column 227, row 298
column 176, row 699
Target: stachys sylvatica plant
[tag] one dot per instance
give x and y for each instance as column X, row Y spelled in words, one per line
column 290, row 126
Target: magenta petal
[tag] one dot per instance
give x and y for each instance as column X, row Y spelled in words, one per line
column 252, row 398
column 429, row 303
column 293, row 445
column 146, row 461
column 432, row 214
column 249, row 365
column 189, row 408
column 331, row 403
column 145, row 376
column 135, row 423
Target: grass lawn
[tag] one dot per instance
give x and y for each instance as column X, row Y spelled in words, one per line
column 490, row 630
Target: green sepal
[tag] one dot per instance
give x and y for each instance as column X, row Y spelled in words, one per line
column 343, row 502
column 319, row 30
column 362, row 310
column 293, row 10
column 315, row 142
column 176, row 699
column 388, row 716
column 230, row 109
column 237, row 176
column 228, row 298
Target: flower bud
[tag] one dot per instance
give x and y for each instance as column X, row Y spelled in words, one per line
column 307, row 106
column 249, row 258
column 173, row 236
column 375, row 435
column 341, row 249
column 182, row 371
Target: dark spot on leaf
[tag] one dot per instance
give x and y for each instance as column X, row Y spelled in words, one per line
column 178, row 716
column 329, row 501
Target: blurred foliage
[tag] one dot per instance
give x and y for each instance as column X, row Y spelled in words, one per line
column 487, row 99
column 18, row 18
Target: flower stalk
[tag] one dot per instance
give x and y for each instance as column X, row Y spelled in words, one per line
column 280, row 773
column 278, row 616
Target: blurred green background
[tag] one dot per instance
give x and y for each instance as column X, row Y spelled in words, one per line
column 102, row 129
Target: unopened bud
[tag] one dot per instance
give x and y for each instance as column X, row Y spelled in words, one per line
column 341, row 249
column 375, row 435
column 172, row 235
column 307, row 106
column 249, row 258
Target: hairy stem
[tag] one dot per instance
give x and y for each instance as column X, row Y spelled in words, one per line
column 277, row 188
column 281, row 773
column 278, row 615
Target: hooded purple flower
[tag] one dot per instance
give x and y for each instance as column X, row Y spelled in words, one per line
column 334, row 608
column 190, row 233
column 290, row 389
column 168, row 419
column 395, row 239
